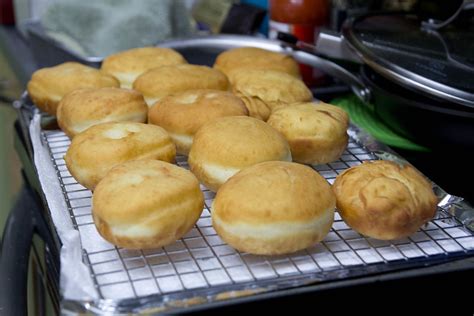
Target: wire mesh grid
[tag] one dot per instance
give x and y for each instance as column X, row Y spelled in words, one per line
column 202, row 260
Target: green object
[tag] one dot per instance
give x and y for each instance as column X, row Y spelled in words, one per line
column 364, row 116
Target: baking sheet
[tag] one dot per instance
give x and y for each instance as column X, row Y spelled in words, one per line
column 200, row 268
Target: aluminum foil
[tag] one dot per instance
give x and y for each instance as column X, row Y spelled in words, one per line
column 75, row 280
column 79, row 292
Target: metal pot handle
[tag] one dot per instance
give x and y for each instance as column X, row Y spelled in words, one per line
column 330, row 45
column 333, row 69
column 301, row 54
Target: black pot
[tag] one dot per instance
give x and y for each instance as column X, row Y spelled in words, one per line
column 428, row 121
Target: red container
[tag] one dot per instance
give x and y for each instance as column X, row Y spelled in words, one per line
column 302, row 18
column 6, row 12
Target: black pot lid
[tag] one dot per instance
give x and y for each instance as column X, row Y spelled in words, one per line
column 436, row 63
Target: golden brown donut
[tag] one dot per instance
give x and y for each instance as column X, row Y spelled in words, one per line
column 182, row 114
column 48, row 85
column 264, row 90
column 162, row 81
column 225, row 145
column 384, row 200
column 127, row 65
column 255, row 58
column 146, row 204
column 80, row 109
column 316, row 132
column 273, row 208
column 98, row 149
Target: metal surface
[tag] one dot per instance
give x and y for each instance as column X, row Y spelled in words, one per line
column 427, row 71
column 332, row 45
column 200, row 268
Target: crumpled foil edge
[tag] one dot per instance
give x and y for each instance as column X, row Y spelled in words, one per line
column 80, row 296
column 75, row 279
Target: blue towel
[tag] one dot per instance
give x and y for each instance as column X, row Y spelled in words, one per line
column 103, row 27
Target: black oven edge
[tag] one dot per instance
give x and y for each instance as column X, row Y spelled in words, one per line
column 27, row 218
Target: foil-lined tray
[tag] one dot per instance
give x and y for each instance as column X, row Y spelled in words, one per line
column 200, row 269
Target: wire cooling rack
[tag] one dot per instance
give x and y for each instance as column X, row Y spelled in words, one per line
column 202, row 261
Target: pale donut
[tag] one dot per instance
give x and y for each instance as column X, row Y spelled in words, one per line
column 225, row 145
column 255, row 58
column 182, row 114
column 127, row 65
column 264, row 90
column 273, row 208
column 162, row 81
column 98, row 149
column 146, row 204
column 48, row 85
column 316, row 132
column 384, row 200
column 80, row 109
